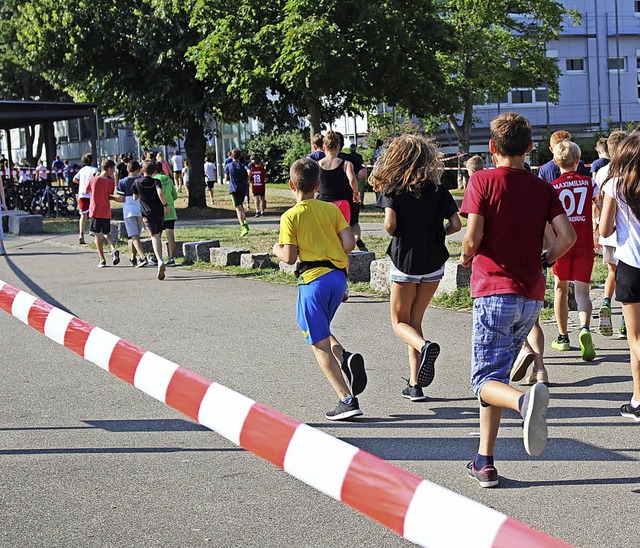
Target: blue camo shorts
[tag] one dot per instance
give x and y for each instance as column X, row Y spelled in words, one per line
column 501, row 324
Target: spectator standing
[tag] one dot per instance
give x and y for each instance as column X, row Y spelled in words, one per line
column 210, row 175
column 58, row 168
column 68, row 171
column 42, row 175
column 84, row 193
column 177, row 165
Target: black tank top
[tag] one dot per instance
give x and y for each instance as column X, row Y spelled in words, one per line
column 334, row 184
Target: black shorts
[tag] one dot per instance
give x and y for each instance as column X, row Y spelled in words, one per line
column 169, row 225
column 100, row 226
column 238, row 197
column 154, row 224
column 355, row 213
column 210, row 184
column 627, row 283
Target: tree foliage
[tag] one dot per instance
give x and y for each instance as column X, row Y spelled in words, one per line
column 324, row 58
column 501, row 44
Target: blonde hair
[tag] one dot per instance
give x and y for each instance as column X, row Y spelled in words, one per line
column 566, row 154
column 475, row 163
column 409, row 164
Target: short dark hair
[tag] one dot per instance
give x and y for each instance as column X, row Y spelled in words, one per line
column 511, row 134
column 305, row 174
column 133, row 166
column 149, row 167
column 236, row 154
column 107, row 164
column 317, row 140
column 87, row 159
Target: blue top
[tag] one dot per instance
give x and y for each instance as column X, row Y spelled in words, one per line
column 597, row 164
column 316, row 155
column 550, row 171
column 237, row 177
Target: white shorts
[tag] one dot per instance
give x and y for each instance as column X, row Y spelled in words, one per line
column 396, row 275
column 608, row 255
column 134, row 226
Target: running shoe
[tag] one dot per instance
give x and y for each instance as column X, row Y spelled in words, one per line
column 534, row 413
column 604, row 325
column 161, row 269
column 81, row 240
column 487, row 476
column 102, row 263
column 344, row 411
column 427, row 369
column 361, row 245
column 133, row 261
column 171, row 262
column 353, row 368
column 257, row 214
column 627, row 410
column 561, row 343
column 413, row 393
column 522, row 362
column 116, row 257
column 142, row 262
column 622, row 331
column 153, row 260
column 244, row 230
column 587, row 350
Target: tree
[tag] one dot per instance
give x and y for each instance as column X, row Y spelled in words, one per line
column 501, row 44
column 130, row 58
column 19, row 82
column 324, row 58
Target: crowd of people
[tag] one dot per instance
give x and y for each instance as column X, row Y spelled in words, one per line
column 557, row 221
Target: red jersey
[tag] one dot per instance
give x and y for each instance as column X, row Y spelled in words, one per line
column 258, row 176
column 576, row 193
column 516, row 206
column 101, row 188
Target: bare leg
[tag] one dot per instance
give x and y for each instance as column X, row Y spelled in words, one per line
column 489, row 425
column 536, row 342
column 240, row 214
column 631, row 314
column 263, row 200
column 326, row 360
column 81, row 224
column 100, row 246
column 408, row 304
column 584, row 303
column 610, row 282
column 171, row 242
column 137, row 244
column 561, row 304
column 111, row 241
column 157, row 246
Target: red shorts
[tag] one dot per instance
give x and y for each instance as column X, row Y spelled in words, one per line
column 83, row 205
column 345, row 208
column 575, row 266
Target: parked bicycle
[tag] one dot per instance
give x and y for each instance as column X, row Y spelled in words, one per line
column 56, row 201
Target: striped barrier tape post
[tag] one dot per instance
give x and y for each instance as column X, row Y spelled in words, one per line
column 416, row 509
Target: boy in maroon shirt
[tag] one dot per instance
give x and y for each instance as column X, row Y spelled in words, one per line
column 508, row 209
column 102, row 187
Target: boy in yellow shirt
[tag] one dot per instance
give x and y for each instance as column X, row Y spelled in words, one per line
column 317, row 233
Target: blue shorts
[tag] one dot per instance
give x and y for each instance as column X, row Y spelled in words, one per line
column 318, row 302
column 501, row 324
column 396, row 275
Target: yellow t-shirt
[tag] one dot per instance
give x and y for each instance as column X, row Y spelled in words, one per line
column 313, row 227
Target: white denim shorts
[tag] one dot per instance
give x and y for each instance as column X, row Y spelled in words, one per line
column 396, row 275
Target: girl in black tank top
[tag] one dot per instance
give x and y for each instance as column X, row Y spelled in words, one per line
column 334, row 184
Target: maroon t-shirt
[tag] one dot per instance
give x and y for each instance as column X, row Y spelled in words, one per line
column 576, row 193
column 516, row 205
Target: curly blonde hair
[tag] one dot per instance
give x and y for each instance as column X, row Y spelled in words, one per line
column 409, row 164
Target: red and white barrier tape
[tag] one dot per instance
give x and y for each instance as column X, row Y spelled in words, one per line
column 416, row 509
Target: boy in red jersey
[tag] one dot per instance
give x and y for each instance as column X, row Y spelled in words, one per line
column 102, row 187
column 503, row 206
column 577, row 193
column 258, row 177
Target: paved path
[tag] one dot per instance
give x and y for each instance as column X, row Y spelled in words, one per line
column 87, row 460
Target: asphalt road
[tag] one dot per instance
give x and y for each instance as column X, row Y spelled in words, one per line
column 87, row 460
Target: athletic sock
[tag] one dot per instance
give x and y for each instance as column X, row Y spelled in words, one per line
column 520, row 403
column 584, row 327
column 482, row 460
column 607, row 301
column 635, row 404
column 347, row 400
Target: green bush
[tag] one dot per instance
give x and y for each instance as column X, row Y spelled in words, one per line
column 279, row 151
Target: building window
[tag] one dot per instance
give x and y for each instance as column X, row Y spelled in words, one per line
column 637, row 7
column 617, row 63
column 74, row 132
column 575, row 65
column 542, row 95
column 638, row 67
column 520, row 96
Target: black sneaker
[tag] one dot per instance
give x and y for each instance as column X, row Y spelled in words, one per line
column 133, row 261
column 361, row 245
column 627, row 410
column 116, row 257
column 344, row 411
column 487, row 476
column 153, row 260
column 142, row 262
column 427, row 370
column 534, row 413
column 170, row 262
column 413, row 393
column 353, row 368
